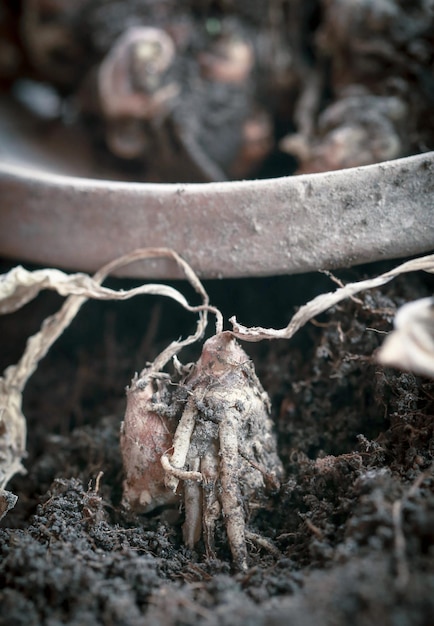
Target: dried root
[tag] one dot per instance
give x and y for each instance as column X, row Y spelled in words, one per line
column 222, row 459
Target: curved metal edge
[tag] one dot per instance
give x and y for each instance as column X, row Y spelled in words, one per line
column 247, row 228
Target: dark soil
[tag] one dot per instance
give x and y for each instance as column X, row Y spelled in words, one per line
column 354, row 518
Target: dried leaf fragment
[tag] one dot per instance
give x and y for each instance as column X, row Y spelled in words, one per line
column 411, row 345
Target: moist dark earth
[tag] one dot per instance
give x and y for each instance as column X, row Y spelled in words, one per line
column 352, row 522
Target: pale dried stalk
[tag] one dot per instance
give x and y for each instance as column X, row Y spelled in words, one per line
column 18, row 287
column 324, row 301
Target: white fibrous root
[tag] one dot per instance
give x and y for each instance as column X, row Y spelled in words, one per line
column 222, row 460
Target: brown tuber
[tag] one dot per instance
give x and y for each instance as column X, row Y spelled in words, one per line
column 222, row 459
column 145, row 437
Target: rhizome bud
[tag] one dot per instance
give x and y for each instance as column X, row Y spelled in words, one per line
column 146, row 434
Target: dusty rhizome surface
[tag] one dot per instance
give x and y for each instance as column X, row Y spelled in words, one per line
column 351, row 524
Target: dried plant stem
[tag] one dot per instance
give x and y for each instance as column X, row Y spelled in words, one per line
column 324, row 301
column 400, row 544
column 19, row 286
column 12, row 419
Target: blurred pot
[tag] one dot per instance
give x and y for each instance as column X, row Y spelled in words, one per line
column 52, row 213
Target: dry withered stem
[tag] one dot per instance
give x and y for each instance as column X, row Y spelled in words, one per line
column 18, row 287
column 326, row 300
